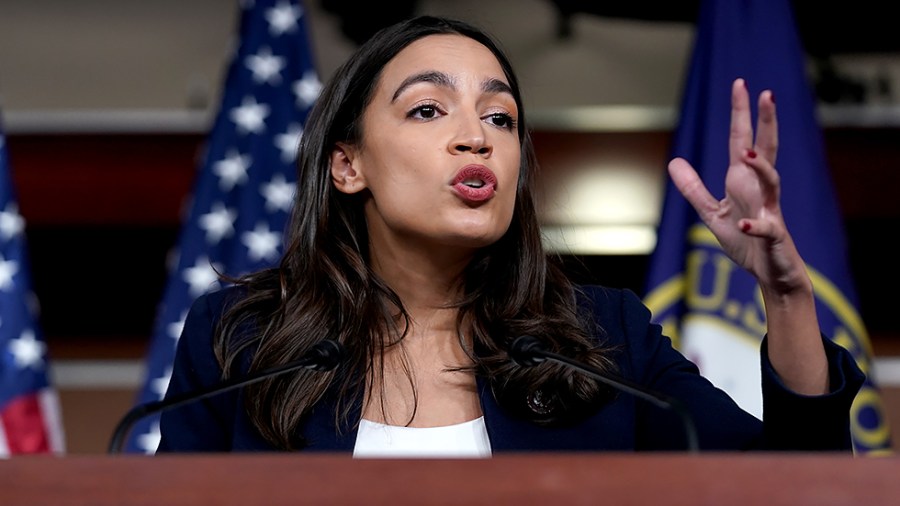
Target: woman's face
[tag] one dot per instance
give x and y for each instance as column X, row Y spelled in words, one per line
column 440, row 149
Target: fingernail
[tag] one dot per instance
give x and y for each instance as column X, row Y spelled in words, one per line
column 745, row 226
column 751, row 153
column 772, row 96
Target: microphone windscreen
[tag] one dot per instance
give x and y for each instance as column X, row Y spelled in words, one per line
column 527, row 351
column 327, row 355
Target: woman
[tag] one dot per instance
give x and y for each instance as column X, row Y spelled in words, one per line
column 415, row 244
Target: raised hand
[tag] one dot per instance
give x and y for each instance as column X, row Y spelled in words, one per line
column 748, row 222
column 750, row 228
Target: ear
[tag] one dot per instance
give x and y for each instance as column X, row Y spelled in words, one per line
column 343, row 171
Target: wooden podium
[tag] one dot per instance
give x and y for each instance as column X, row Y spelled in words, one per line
column 526, row 479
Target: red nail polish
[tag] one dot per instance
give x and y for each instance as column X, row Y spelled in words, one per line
column 745, row 226
column 751, row 153
column 772, row 96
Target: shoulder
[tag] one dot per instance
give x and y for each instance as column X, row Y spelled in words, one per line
column 612, row 306
column 623, row 323
column 208, row 309
column 216, row 302
column 205, row 313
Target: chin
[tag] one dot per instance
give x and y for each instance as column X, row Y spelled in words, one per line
column 476, row 230
column 473, row 239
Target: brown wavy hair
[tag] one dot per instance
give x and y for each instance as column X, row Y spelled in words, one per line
column 325, row 288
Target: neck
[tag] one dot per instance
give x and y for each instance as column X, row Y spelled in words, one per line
column 417, row 386
column 427, row 280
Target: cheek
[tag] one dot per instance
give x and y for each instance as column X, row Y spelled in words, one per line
column 510, row 208
column 515, row 172
column 403, row 164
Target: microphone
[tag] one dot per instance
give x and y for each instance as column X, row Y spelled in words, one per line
column 323, row 356
column 528, row 351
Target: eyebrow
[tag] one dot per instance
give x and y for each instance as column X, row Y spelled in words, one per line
column 495, row 86
column 443, row 80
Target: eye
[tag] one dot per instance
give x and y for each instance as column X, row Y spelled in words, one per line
column 424, row 111
column 502, row 120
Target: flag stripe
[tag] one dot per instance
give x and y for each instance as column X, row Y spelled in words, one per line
column 23, row 424
column 4, row 445
column 48, row 398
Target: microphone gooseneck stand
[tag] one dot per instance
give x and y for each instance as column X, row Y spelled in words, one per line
column 528, row 351
column 323, row 356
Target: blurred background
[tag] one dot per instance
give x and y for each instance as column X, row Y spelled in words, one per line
column 106, row 105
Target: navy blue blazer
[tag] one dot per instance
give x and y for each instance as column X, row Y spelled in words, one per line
column 643, row 354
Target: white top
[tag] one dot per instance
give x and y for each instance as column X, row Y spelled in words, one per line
column 463, row 440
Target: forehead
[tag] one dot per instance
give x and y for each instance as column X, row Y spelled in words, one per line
column 452, row 54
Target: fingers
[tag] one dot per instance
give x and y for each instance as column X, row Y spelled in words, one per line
column 740, row 138
column 769, row 180
column 767, row 221
column 767, row 127
column 757, row 228
column 689, row 184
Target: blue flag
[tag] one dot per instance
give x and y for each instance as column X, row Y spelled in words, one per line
column 712, row 308
column 29, row 409
column 246, row 185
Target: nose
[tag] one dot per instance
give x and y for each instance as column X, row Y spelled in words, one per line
column 471, row 138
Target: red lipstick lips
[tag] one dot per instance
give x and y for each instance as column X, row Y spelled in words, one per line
column 474, row 183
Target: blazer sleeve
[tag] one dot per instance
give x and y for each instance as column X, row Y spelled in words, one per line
column 204, row 425
column 790, row 421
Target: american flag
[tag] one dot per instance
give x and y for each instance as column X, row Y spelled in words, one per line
column 29, row 409
column 246, row 184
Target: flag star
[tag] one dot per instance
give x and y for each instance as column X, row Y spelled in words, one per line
column 265, row 66
column 288, row 142
column 175, row 328
column 149, row 441
column 307, row 88
column 8, row 269
column 232, row 170
column 250, row 116
column 161, row 384
column 219, row 222
column 27, row 351
column 11, row 222
column 201, row 277
column 283, row 18
column 279, row 193
column 262, row 243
